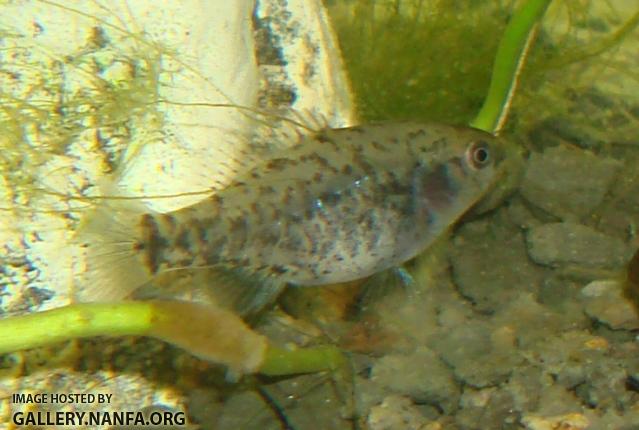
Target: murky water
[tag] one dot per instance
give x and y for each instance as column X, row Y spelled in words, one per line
column 517, row 317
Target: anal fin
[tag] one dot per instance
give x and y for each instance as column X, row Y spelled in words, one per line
column 242, row 291
column 379, row 285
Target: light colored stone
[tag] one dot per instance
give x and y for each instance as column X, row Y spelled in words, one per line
column 420, row 375
column 568, row 243
column 397, row 412
column 605, row 301
column 568, row 182
column 574, row 421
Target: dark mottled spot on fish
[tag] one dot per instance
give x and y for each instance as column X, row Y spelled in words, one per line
column 354, row 244
column 313, row 240
column 400, row 204
column 278, row 270
column 169, row 223
column 326, row 248
column 458, row 164
column 238, row 224
column 217, row 199
column 268, row 236
column 323, row 138
column 238, row 230
column 219, row 242
column 292, row 239
column 363, row 164
column 244, row 262
column 216, row 247
column 373, row 241
column 183, row 240
column 266, row 189
column 153, row 242
column 417, row 133
column 277, row 213
column 256, row 210
column 279, row 164
column 309, row 212
column 318, row 177
column 203, row 226
column 394, row 186
column 330, row 198
column 287, row 198
column 237, row 262
column 347, row 169
column 294, row 217
column 368, row 219
column 312, row 267
column 438, row 144
column 375, row 144
column 323, row 162
column 436, row 187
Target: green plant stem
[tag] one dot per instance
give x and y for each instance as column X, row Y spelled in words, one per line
column 510, row 57
column 213, row 334
column 75, row 321
column 279, row 361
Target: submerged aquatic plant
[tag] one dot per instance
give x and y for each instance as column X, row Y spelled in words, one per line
column 50, row 104
column 207, row 332
column 405, row 62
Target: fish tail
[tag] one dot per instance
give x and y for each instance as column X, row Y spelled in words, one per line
column 114, row 258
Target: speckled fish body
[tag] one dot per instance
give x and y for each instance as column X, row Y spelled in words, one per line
column 340, row 205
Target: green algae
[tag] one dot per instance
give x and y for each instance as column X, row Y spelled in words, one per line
column 418, row 60
column 56, row 107
column 431, row 60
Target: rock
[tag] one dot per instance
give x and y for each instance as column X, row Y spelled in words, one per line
column 605, row 302
column 237, row 408
column 573, row 421
column 488, row 408
column 420, row 375
column 567, row 243
column 586, row 371
column 568, row 182
column 525, row 386
column 490, row 265
column 534, row 323
column 398, row 412
column 520, row 214
column 605, row 386
column 476, row 354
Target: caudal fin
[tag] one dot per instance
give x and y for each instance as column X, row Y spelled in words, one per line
column 114, row 265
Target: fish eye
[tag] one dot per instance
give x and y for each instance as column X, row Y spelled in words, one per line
column 478, row 154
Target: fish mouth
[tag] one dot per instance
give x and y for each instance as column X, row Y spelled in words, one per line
column 510, row 164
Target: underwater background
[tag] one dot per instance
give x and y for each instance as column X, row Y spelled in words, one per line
column 521, row 317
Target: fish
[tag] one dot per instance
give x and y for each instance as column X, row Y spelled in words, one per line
column 339, row 205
